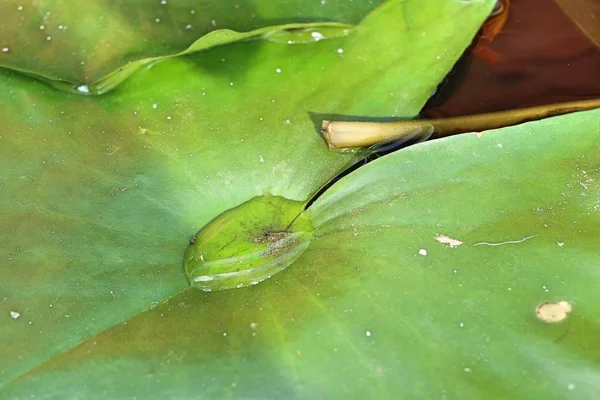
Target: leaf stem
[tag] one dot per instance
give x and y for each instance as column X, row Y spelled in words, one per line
column 346, row 134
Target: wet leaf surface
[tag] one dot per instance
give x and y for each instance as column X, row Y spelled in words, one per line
column 81, row 43
column 99, row 196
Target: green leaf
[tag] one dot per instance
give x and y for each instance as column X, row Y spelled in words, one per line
column 81, row 43
column 291, row 33
column 452, row 245
column 100, row 195
column 365, row 313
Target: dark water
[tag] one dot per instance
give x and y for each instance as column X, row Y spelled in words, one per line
column 541, row 57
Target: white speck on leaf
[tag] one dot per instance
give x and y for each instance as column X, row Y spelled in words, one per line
column 448, row 240
column 551, row 312
column 423, row 252
column 317, row 36
column 15, row 314
column 261, row 159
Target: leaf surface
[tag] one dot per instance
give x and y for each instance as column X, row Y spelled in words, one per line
column 100, row 195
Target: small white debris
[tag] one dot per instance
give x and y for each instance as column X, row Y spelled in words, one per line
column 368, row 333
column 317, row 36
column 462, row 325
column 156, row 19
column 423, row 252
column 551, row 312
column 506, row 242
column 15, row 314
column 278, row 70
column 188, row 26
column 224, row 333
column 560, row 244
column 448, row 240
column 340, row 51
column 261, row 159
column 571, row 386
column 83, row 89
column 213, row 22
column 468, row 370
column 5, row 49
column 155, row 106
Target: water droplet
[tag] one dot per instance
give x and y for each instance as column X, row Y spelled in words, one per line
column 317, row 35
column 230, row 83
column 156, row 19
column 192, row 11
column 15, row 314
column 83, row 89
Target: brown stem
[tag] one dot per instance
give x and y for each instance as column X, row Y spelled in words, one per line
column 345, row 134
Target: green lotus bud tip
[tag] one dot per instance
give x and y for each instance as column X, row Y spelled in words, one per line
column 248, row 244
